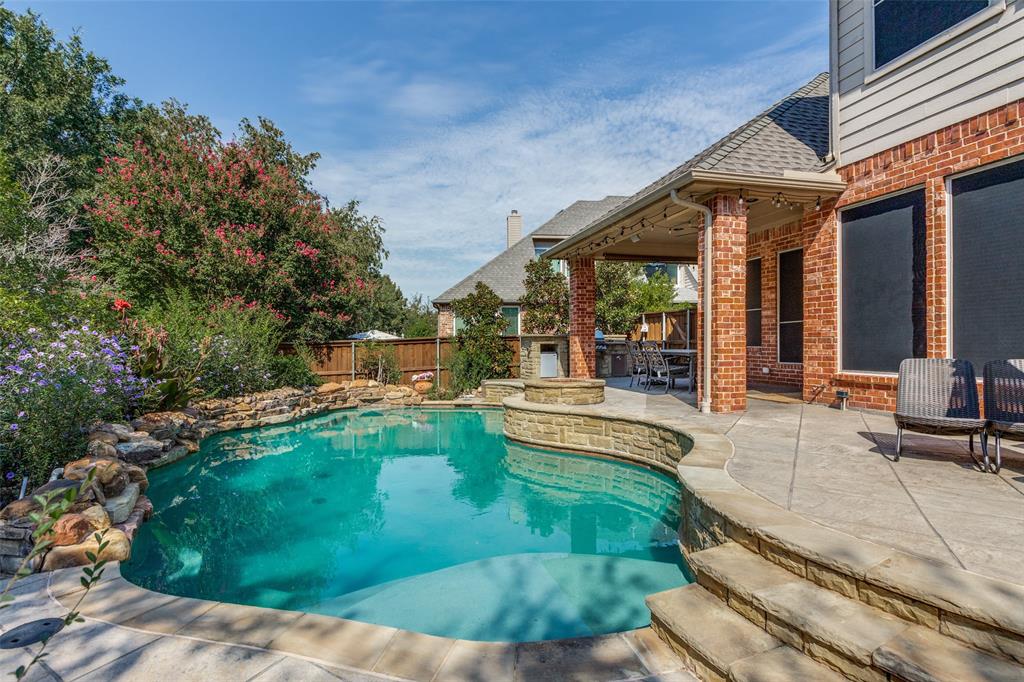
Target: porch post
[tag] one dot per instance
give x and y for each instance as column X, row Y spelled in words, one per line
column 728, row 390
column 582, row 324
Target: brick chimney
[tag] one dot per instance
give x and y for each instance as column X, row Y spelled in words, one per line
column 514, row 226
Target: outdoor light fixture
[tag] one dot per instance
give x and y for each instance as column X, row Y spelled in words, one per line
column 817, row 204
column 741, row 198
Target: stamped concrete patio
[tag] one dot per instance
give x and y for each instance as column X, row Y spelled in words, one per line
column 836, row 468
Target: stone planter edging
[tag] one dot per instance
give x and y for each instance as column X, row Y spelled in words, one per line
column 980, row 611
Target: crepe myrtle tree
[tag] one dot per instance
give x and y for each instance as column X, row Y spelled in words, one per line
column 481, row 351
column 177, row 209
column 546, row 301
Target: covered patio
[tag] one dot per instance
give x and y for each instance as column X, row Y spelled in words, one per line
column 757, row 229
column 755, row 212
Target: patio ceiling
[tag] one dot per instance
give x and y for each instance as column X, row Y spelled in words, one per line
column 655, row 229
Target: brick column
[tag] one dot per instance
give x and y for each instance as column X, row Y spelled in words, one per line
column 728, row 306
column 821, row 303
column 582, row 297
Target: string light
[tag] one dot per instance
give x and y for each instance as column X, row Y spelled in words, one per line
column 817, row 204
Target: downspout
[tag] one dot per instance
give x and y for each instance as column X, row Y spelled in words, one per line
column 705, row 404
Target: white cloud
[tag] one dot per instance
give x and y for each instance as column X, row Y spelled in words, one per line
column 378, row 83
column 444, row 194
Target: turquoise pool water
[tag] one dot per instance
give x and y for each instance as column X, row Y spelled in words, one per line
column 428, row 520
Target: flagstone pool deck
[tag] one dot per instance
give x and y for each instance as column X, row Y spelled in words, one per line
column 833, row 468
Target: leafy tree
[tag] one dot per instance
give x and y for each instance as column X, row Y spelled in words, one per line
column 420, row 319
column 480, row 349
column 180, row 210
column 618, row 300
column 56, row 99
column 656, row 293
column 546, row 302
column 385, row 308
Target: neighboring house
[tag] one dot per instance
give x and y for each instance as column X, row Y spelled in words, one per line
column 875, row 212
column 504, row 273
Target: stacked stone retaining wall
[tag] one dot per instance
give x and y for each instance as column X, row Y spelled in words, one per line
column 644, row 442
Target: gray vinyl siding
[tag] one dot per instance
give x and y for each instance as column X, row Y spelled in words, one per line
column 975, row 71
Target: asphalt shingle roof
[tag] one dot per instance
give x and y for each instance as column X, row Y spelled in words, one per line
column 504, row 273
column 792, row 134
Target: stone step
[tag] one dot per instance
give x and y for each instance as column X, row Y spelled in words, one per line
column 719, row 644
column 921, row 654
column 784, row 664
column 841, row 632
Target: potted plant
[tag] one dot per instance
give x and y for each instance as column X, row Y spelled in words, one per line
column 423, row 382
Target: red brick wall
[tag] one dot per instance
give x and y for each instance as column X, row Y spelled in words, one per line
column 925, row 161
column 582, row 299
column 445, row 321
column 766, row 245
column 728, row 325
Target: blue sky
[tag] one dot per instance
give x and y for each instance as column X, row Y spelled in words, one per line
column 441, row 117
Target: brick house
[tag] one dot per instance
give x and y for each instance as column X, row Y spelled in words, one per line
column 872, row 215
column 505, row 273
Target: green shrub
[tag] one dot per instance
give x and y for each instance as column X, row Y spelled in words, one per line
column 379, row 362
column 293, row 369
column 227, row 350
column 480, row 351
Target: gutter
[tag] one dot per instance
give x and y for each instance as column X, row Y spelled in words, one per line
column 705, row 404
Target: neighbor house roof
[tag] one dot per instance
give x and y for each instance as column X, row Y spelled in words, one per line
column 791, row 135
column 504, row 273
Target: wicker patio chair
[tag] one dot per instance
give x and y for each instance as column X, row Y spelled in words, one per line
column 658, row 368
column 638, row 361
column 939, row 396
column 1004, row 403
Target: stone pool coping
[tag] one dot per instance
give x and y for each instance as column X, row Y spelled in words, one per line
column 981, row 611
column 367, row 648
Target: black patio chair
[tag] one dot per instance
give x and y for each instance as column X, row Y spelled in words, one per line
column 939, row 396
column 658, row 368
column 638, row 361
column 1004, row 403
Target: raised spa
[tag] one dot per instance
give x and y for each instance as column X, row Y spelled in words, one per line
column 427, row 520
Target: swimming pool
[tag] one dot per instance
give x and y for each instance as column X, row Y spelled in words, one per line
column 427, row 520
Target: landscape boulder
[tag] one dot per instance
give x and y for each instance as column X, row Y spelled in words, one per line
column 97, row 517
column 118, row 549
column 120, row 507
column 143, row 450
column 70, row 529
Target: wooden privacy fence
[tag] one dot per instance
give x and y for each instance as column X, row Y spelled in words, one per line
column 677, row 329
column 340, row 360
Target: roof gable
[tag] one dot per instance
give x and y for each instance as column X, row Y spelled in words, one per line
column 504, row 273
column 790, row 135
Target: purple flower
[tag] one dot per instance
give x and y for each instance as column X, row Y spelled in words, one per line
column 9, row 475
column 21, row 414
column 14, row 427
